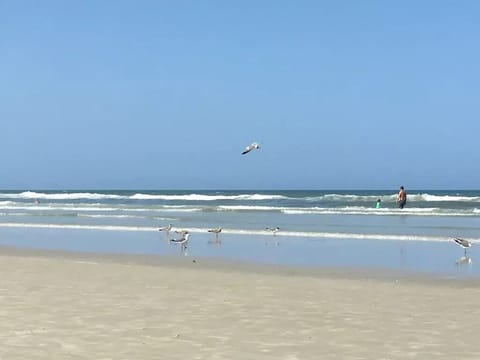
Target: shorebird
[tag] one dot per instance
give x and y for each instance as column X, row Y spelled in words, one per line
column 215, row 231
column 182, row 232
column 463, row 243
column 250, row 147
column 182, row 241
column 273, row 230
column 166, row 228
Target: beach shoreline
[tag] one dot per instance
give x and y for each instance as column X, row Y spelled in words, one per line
column 375, row 257
column 242, row 266
column 69, row 305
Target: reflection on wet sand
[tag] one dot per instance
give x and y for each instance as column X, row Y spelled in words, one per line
column 272, row 243
column 464, row 260
column 216, row 242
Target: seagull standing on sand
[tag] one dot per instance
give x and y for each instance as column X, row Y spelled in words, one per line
column 252, row 146
column 463, row 243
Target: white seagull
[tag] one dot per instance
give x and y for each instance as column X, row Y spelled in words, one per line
column 182, row 241
column 463, row 243
column 250, row 147
column 215, row 231
column 166, row 228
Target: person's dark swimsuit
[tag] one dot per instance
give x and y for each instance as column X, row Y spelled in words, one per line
column 402, row 200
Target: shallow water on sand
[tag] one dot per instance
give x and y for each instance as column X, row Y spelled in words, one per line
column 416, row 257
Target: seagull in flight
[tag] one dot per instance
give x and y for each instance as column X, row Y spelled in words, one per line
column 463, row 243
column 252, row 146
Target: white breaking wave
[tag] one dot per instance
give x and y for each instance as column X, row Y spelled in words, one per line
column 59, row 208
column 250, row 208
column 203, row 197
column 139, row 196
column 392, row 197
column 381, row 212
column 246, row 197
column 60, row 196
column 353, row 210
column 350, row 197
column 444, row 198
column 346, row 210
column 95, row 208
column 73, row 226
column 104, row 216
column 14, row 214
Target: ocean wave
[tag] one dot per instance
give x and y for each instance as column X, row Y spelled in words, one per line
column 75, row 226
column 184, row 208
column 59, row 196
column 443, row 198
column 138, row 196
column 352, row 210
column 204, row 197
column 424, row 197
column 249, row 208
column 57, row 208
column 97, row 208
column 333, row 197
column 111, row 216
column 346, row 210
column 349, row 198
column 14, row 214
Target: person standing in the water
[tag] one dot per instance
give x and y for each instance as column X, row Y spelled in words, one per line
column 401, row 197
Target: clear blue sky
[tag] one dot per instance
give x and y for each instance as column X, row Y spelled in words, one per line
column 166, row 94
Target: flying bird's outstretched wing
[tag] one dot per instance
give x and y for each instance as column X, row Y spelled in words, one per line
column 250, row 148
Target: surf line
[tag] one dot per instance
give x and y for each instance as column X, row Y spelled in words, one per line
column 284, row 234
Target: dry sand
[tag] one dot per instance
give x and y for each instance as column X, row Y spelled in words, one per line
column 64, row 306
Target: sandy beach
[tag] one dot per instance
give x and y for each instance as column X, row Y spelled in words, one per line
column 76, row 306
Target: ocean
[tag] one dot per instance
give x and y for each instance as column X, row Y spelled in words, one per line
column 311, row 223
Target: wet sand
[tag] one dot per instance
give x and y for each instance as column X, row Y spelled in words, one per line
column 58, row 305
